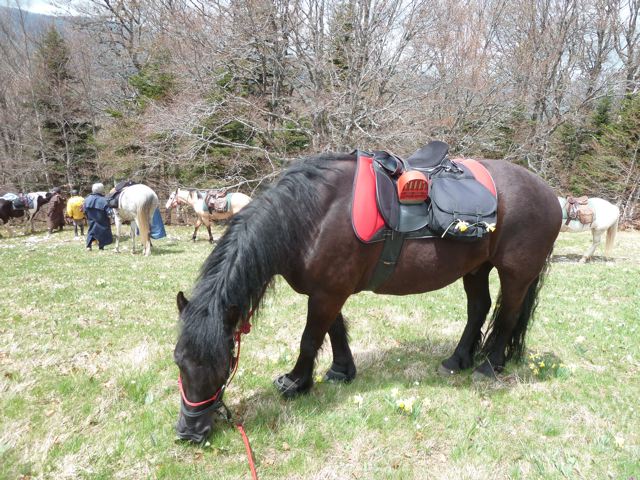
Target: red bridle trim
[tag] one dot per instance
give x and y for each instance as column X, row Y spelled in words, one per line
column 243, row 329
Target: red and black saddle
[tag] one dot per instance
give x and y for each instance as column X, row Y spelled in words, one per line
column 391, row 193
column 426, row 195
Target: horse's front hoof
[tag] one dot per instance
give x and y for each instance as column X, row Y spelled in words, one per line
column 444, row 371
column 289, row 388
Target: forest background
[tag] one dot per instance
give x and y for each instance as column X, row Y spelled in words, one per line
column 227, row 93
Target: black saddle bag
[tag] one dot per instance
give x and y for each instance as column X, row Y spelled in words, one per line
column 461, row 208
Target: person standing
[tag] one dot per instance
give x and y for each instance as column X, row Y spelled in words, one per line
column 55, row 214
column 75, row 213
column 98, row 211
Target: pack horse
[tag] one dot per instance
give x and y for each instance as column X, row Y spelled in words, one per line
column 600, row 217
column 303, row 229
column 222, row 205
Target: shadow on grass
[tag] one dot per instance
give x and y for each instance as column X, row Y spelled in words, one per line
column 410, row 364
column 575, row 258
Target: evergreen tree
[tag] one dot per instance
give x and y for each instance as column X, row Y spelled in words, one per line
column 68, row 133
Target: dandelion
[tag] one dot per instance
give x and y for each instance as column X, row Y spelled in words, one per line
column 541, row 364
column 319, row 379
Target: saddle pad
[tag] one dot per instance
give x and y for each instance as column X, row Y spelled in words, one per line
column 365, row 217
column 368, row 224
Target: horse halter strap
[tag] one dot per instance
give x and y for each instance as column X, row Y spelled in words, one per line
column 215, row 401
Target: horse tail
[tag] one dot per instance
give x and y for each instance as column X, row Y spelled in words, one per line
column 144, row 213
column 611, row 237
column 516, row 345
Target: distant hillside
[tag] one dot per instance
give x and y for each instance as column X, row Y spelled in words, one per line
column 35, row 23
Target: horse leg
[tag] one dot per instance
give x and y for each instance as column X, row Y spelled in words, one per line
column 322, row 311
column 118, row 226
column 210, row 235
column 342, row 368
column 611, row 238
column 476, row 286
column 133, row 226
column 597, row 237
column 506, row 334
column 195, row 231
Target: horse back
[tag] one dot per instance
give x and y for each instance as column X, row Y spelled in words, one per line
column 528, row 222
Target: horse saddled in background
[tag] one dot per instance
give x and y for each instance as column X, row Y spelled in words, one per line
column 136, row 206
column 31, row 204
column 604, row 218
column 233, row 203
column 301, row 229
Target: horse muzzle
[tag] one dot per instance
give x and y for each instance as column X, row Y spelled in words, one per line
column 196, row 432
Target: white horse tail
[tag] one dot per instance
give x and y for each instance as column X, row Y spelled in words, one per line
column 611, row 237
column 145, row 211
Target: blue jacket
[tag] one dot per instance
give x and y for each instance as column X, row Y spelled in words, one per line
column 97, row 212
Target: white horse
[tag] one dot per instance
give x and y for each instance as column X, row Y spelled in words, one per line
column 605, row 219
column 190, row 196
column 36, row 201
column 137, row 204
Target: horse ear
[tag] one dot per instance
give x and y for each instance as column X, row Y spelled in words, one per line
column 182, row 301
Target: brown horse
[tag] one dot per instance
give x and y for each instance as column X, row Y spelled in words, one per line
column 301, row 229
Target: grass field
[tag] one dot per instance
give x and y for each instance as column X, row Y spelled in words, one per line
column 88, row 386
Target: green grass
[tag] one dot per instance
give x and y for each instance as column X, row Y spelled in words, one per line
column 88, row 386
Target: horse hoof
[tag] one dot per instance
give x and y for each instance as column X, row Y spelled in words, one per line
column 446, row 372
column 484, row 373
column 288, row 388
column 338, row 376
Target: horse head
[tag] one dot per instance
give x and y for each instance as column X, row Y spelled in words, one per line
column 204, row 368
column 172, row 202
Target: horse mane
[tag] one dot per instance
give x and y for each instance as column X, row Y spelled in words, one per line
column 256, row 246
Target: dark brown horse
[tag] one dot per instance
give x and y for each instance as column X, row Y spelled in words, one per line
column 301, row 229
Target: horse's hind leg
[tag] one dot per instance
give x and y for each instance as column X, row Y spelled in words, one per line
column 597, row 238
column 476, row 286
column 210, row 235
column 133, row 236
column 514, row 309
column 322, row 312
column 342, row 368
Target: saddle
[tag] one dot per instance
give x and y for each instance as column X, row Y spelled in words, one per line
column 423, row 196
column 18, row 202
column 457, row 206
column 114, row 195
column 577, row 208
column 216, row 201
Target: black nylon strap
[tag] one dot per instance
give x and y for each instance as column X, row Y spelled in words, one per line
column 391, row 250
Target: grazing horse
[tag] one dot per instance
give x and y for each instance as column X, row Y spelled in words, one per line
column 136, row 205
column 301, row 229
column 190, row 196
column 605, row 219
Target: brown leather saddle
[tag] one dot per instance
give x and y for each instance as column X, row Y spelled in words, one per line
column 216, row 201
column 577, row 208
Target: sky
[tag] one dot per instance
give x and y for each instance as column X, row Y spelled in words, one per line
column 35, row 6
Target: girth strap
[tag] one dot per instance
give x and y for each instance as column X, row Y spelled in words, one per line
column 391, row 250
